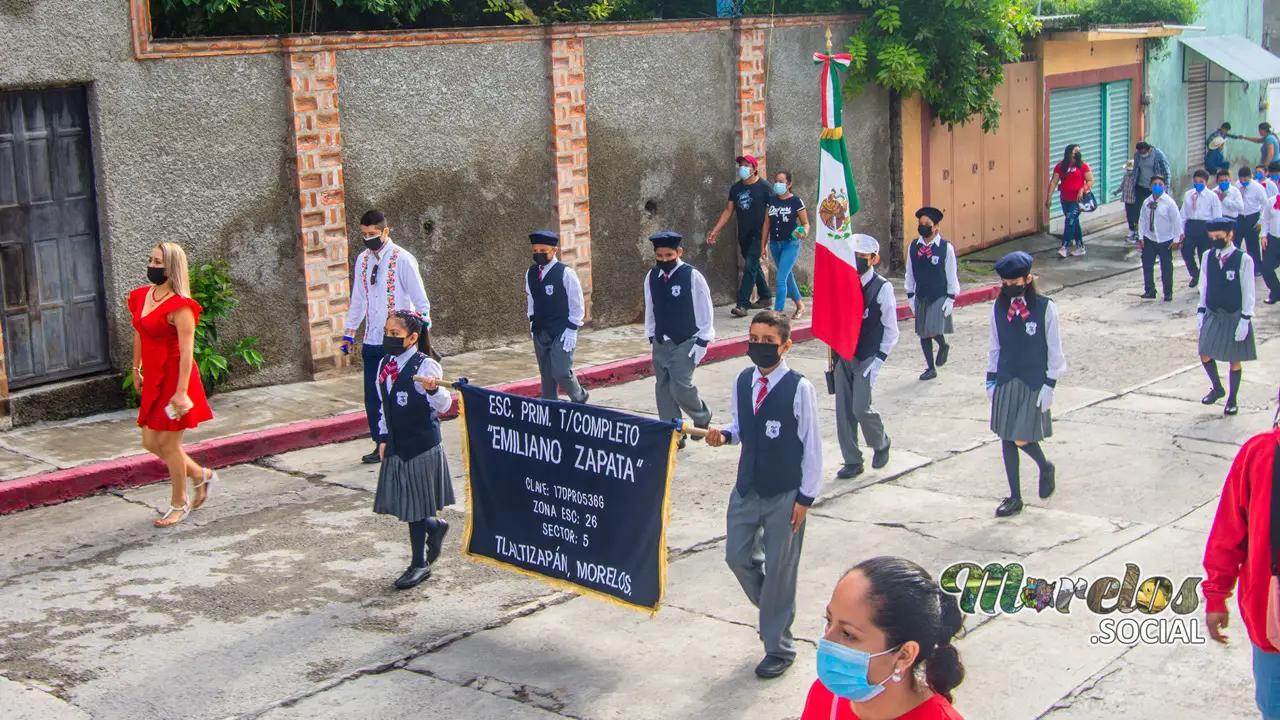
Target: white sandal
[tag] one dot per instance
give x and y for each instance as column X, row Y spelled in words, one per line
column 211, row 479
column 185, row 510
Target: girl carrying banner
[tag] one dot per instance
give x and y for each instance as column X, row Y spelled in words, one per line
column 414, row 482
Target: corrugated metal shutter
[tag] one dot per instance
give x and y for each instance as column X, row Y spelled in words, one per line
column 1117, row 139
column 1075, row 116
column 1197, row 111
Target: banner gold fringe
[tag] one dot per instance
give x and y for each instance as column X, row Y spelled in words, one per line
column 832, row 133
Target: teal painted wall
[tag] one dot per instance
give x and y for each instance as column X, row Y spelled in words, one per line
column 1165, row 119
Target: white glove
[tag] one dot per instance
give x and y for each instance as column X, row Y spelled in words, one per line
column 948, row 305
column 1242, row 329
column 570, row 338
column 1200, row 320
column 873, row 371
column 697, row 352
column 991, row 389
column 1046, row 398
column 912, row 302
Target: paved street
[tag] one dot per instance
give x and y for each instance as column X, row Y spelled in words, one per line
column 275, row 600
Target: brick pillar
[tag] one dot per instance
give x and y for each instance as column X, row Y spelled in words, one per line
column 569, row 135
column 751, row 99
column 322, row 222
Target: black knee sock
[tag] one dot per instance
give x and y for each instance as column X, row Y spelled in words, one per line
column 942, row 342
column 418, row 540
column 1233, row 377
column 1011, row 468
column 432, row 523
column 1211, row 368
column 1034, row 452
column 926, row 344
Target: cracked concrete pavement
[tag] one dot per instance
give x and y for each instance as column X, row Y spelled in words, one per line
column 275, row 600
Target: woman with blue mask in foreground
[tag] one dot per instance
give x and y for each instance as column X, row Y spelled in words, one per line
column 886, row 651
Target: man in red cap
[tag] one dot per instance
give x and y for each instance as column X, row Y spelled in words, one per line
column 749, row 198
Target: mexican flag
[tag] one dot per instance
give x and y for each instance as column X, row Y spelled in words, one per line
column 837, row 289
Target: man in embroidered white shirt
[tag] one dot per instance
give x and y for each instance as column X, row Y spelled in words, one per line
column 1160, row 226
column 385, row 279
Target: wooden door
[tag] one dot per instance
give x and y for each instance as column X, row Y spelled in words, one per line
column 995, row 174
column 50, row 262
column 1021, row 120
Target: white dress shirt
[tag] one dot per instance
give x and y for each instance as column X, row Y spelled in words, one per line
column 1203, row 205
column 703, row 309
column 953, row 272
column 1057, row 359
column 1272, row 188
column 1270, row 221
column 1168, row 219
column 572, row 288
column 888, row 313
column 1255, row 197
column 1232, row 202
column 440, row 400
column 806, row 412
column 1248, row 287
column 369, row 298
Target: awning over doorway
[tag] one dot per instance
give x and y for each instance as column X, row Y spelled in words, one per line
column 1238, row 55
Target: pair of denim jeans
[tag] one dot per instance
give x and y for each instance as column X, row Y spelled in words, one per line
column 785, row 254
column 1071, row 211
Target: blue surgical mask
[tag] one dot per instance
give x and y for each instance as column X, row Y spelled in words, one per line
column 1244, row 182
column 744, row 172
column 843, row 671
column 1157, row 190
column 779, row 188
column 1259, row 177
column 1275, row 178
column 1198, row 186
column 1224, row 185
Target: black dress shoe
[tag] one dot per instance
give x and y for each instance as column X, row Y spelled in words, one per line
column 762, row 304
column 881, row 456
column 412, row 577
column 849, row 471
column 1168, row 298
column 1010, row 506
column 929, row 374
column 1214, row 396
column 1194, row 282
column 435, row 541
column 1231, row 408
column 943, row 351
column 585, row 397
column 1271, row 300
column 1149, row 295
column 703, row 426
column 372, row 458
column 738, row 311
column 680, row 445
column 771, row 667
column 1047, row 481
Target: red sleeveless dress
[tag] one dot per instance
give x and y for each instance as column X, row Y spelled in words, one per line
column 159, row 341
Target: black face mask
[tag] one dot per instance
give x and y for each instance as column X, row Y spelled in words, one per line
column 764, row 355
column 924, row 230
column 374, row 243
column 862, row 264
column 1076, row 157
column 156, row 276
column 1013, row 291
column 666, row 266
column 1219, row 243
column 541, row 258
column 392, row 345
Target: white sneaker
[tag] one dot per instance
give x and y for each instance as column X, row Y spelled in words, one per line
column 1062, row 252
column 1078, row 252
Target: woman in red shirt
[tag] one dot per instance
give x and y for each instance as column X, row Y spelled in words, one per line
column 1073, row 178
column 1240, row 546
column 887, row 650
column 165, row 374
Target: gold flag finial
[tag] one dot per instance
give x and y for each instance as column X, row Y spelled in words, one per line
column 828, row 39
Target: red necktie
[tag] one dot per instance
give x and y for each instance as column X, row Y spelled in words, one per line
column 764, row 390
column 390, row 370
column 1019, row 307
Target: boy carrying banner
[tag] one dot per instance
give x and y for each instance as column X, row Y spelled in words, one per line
column 677, row 321
column 775, row 419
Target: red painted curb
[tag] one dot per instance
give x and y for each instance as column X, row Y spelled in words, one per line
column 62, row 485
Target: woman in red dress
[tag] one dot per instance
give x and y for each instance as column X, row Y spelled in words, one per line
column 165, row 373
column 887, row 651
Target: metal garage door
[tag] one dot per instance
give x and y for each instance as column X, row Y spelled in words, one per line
column 1075, row 116
column 1110, row 177
column 1197, row 115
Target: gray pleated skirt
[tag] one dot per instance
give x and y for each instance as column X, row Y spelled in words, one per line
column 1015, row 415
column 416, row 489
column 1218, row 338
column 930, row 320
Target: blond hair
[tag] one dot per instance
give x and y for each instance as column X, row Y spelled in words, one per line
column 175, row 267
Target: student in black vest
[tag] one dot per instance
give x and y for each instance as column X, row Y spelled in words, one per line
column 932, row 283
column 775, row 419
column 556, row 311
column 414, row 483
column 855, row 379
column 677, row 320
column 1226, row 311
column 1023, row 367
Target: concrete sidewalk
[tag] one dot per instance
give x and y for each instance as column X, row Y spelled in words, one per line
column 51, row 462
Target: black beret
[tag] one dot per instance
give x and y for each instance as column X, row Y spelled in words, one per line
column 544, row 237
column 1220, row 224
column 666, row 239
column 932, row 213
column 1014, row 265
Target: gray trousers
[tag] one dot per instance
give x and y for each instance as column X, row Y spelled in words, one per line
column 556, row 367
column 673, row 369
column 764, row 555
column 853, row 408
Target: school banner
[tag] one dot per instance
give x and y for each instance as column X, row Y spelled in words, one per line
column 575, row 495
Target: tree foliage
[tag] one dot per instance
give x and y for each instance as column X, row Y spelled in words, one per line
column 1126, row 12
